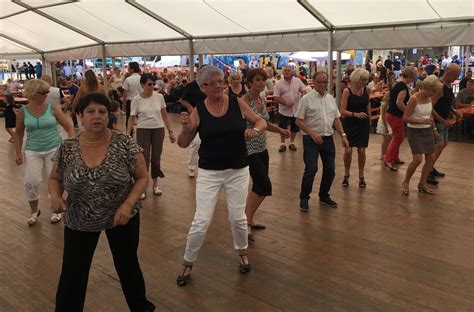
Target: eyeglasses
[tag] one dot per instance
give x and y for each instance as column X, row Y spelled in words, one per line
column 42, row 93
column 322, row 81
column 151, row 84
column 214, row 83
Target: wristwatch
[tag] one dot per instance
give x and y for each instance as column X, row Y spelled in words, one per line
column 343, row 135
column 257, row 130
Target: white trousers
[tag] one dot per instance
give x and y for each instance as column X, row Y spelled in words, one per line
column 35, row 163
column 193, row 152
column 209, row 182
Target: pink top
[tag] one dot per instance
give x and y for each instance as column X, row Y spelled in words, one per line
column 290, row 92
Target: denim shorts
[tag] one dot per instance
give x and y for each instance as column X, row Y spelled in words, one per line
column 443, row 133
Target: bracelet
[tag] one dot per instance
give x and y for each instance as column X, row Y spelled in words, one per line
column 257, row 130
column 343, row 135
column 434, row 129
column 169, row 131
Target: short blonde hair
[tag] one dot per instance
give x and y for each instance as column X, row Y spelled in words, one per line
column 431, row 82
column 359, row 74
column 34, row 86
column 409, row 72
column 232, row 75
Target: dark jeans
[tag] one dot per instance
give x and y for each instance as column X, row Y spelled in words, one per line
column 79, row 249
column 327, row 151
column 127, row 112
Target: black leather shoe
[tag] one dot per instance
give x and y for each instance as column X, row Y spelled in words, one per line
column 328, row 202
column 304, row 206
column 436, row 173
column 432, row 180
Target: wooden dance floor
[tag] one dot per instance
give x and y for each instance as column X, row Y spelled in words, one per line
column 378, row 251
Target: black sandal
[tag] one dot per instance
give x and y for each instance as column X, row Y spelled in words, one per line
column 244, row 267
column 257, row 226
column 250, row 236
column 182, row 279
column 362, row 182
column 345, row 182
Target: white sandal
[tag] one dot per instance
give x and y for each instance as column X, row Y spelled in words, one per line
column 56, row 217
column 157, row 191
column 34, row 218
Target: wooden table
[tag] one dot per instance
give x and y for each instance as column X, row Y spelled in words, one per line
column 18, row 100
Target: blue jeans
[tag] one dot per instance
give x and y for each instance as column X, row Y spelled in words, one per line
column 311, row 152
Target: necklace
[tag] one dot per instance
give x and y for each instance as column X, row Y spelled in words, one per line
column 95, row 143
column 222, row 109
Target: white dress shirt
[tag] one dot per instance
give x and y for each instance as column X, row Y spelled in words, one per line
column 318, row 112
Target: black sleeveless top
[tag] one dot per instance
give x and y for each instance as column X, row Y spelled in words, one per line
column 222, row 138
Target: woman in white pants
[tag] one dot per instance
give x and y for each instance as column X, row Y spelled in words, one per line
column 223, row 163
column 39, row 119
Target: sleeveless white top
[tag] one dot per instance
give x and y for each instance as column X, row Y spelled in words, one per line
column 421, row 111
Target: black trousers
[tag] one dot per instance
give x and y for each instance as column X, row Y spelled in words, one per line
column 79, row 249
column 127, row 112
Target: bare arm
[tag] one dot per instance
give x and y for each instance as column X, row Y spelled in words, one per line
column 140, row 176
column 124, row 96
column 131, row 122
column 340, row 130
column 344, row 100
column 250, row 115
column 77, row 97
column 18, row 135
column 400, row 97
column 64, row 122
column 166, row 121
column 190, row 124
column 281, row 101
column 56, row 191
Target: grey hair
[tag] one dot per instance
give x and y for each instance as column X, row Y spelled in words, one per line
column 207, row 72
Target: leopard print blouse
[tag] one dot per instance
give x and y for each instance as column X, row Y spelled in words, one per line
column 94, row 194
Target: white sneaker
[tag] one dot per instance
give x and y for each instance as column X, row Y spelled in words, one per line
column 192, row 173
column 143, row 196
column 157, row 191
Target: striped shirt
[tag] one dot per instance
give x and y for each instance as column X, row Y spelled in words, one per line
column 259, row 143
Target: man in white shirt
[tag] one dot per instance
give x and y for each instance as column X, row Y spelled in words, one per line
column 287, row 94
column 316, row 115
column 131, row 87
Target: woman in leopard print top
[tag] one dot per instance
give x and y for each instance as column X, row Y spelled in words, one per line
column 103, row 173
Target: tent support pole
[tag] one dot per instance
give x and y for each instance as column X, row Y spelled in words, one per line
column 104, row 68
column 191, row 60
column 338, row 79
column 43, row 64
column 53, row 73
column 330, row 62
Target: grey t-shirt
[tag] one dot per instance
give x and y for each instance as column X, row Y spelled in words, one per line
column 464, row 97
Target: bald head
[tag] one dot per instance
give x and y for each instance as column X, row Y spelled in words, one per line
column 451, row 72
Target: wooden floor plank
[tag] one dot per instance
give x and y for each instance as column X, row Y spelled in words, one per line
column 378, row 251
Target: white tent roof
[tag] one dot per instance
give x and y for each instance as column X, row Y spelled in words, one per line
column 62, row 29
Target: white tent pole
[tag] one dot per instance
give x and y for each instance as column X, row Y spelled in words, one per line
column 53, row 73
column 191, row 60
column 466, row 61
column 338, row 78
column 104, row 69
column 329, row 60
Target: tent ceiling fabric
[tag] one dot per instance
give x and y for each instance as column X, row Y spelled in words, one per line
column 160, row 27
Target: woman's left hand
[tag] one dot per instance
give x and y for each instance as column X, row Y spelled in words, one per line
column 250, row 134
column 436, row 135
column 122, row 215
column 172, row 137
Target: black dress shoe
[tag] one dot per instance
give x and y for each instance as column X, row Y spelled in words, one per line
column 328, row 202
column 304, row 206
column 432, row 180
column 436, row 173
